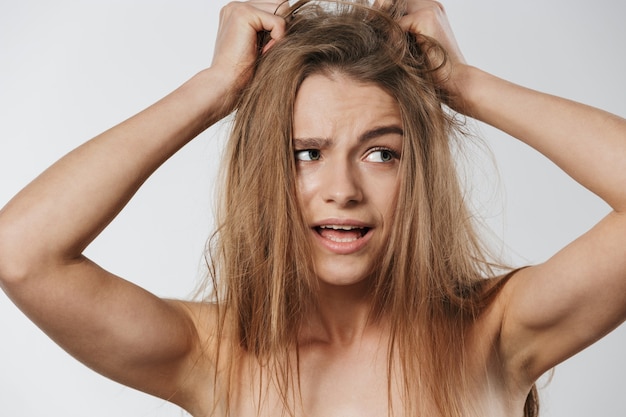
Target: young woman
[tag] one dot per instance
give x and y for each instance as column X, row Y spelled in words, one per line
column 347, row 276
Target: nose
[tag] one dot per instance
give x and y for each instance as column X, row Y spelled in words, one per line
column 342, row 184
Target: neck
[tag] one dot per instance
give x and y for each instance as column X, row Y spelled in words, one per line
column 341, row 315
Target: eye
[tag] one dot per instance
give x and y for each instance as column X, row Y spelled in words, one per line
column 308, row 155
column 381, row 155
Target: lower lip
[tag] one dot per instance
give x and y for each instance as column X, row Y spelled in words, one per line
column 343, row 248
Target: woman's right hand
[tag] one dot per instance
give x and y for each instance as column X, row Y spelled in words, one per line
column 236, row 48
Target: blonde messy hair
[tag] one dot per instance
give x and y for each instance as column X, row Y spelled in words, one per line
column 430, row 284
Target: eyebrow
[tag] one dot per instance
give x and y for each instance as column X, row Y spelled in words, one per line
column 381, row 131
column 321, row 143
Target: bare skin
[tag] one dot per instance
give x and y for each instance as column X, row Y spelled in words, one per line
column 544, row 315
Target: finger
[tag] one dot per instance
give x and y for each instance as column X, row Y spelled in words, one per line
column 382, row 4
column 424, row 17
column 276, row 7
column 268, row 45
column 281, row 7
column 237, row 44
column 258, row 16
column 417, row 5
column 267, row 18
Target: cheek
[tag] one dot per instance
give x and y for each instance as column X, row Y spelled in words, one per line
column 388, row 207
column 385, row 196
column 305, row 190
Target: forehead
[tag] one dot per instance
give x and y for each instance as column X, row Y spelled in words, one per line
column 336, row 102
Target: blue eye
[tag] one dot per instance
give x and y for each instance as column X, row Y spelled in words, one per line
column 381, row 155
column 308, row 155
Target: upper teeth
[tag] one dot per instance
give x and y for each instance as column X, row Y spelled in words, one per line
column 339, row 227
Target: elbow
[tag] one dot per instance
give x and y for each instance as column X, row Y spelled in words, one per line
column 14, row 264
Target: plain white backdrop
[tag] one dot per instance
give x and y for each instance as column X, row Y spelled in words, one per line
column 71, row 69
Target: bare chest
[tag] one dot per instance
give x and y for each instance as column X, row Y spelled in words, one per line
column 350, row 383
column 354, row 383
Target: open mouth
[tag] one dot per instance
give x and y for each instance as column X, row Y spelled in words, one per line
column 341, row 233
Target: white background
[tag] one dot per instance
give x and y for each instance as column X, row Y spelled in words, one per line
column 70, row 69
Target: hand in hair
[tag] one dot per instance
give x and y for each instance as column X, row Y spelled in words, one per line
column 236, row 48
column 427, row 18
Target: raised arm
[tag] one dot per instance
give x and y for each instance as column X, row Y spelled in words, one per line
column 110, row 324
column 553, row 310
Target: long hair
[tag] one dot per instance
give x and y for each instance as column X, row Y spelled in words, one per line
column 432, row 281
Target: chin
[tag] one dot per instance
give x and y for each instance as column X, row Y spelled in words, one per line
column 346, row 279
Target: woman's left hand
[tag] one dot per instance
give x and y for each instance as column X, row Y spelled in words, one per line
column 428, row 18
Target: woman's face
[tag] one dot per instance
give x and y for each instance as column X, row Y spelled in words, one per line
column 348, row 141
